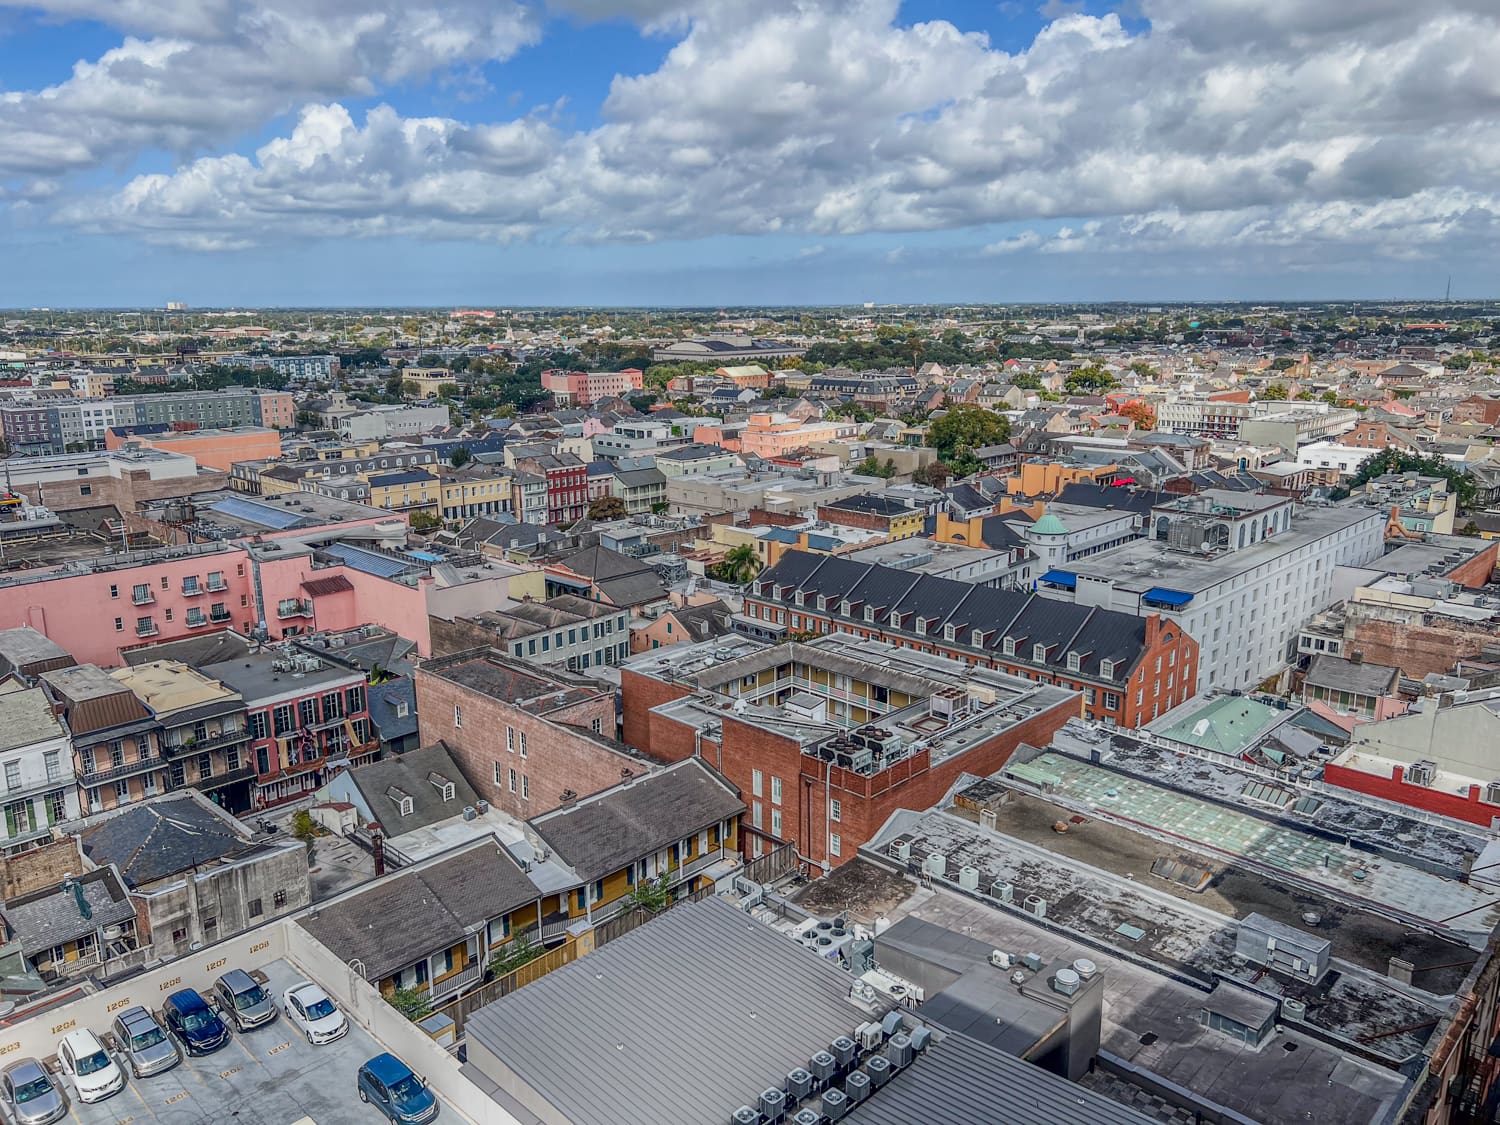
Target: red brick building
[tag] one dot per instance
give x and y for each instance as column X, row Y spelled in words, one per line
column 567, row 484
column 827, row 739
column 523, row 735
column 1376, row 435
column 1477, row 408
column 1129, row 669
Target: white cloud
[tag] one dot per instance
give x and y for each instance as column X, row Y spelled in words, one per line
column 1366, row 122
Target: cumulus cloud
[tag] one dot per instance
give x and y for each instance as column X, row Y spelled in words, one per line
column 1228, row 123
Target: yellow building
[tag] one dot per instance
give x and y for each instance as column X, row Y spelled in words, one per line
column 429, row 380
column 407, row 490
column 467, row 493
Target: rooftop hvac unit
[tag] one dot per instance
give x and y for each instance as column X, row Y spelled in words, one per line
column 1085, row 968
column 1036, row 906
column 1066, row 981
column 772, row 1104
column 857, row 1087
column 999, row 958
column 799, row 1083
column 835, row 1104
column 901, row 850
column 879, row 1070
column 822, row 1066
column 1293, row 1009
column 936, row 864
column 862, row 992
column 471, row 813
column 968, row 878
column 806, row 1117
column 899, row 1050
column 1004, row 892
column 892, row 1023
column 1421, row 772
column 745, row 1116
column 1032, row 961
column 481, row 807
column 842, row 1050
column 869, row 1035
column 920, row 1038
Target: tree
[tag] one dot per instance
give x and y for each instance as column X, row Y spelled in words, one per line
column 410, row 1003
column 963, row 429
column 460, row 457
column 871, row 467
column 425, row 521
column 607, row 508
column 1089, row 380
column 447, row 390
column 1283, row 363
column 652, row 896
column 410, row 388
column 1274, row 392
column 510, row 958
column 938, row 475
column 740, row 565
column 1139, row 413
column 303, row 825
column 1392, row 460
column 1027, row 381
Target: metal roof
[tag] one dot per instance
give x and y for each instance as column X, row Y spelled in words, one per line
column 369, row 562
column 252, row 511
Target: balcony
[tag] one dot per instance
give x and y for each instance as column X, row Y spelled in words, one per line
column 220, row 616
column 191, row 745
column 216, row 586
column 115, row 773
column 294, row 607
column 146, row 629
column 460, row 981
column 192, row 589
column 195, row 621
column 142, row 597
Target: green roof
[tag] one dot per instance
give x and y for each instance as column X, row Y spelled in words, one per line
column 1049, row 525
column 1228, row 725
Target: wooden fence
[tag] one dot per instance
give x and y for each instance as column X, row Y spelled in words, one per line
column 459, row 1010
column 622, row 924
column 779, row 861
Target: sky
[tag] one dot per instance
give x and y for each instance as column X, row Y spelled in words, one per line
column 725, row 152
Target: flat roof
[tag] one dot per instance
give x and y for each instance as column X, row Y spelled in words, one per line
column 270, row 673
column 1137, row 566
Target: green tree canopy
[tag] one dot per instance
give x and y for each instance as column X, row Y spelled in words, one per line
column 963, row 429
column 1394, row 460
column 1274, row 392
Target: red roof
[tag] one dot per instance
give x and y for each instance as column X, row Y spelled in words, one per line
column 321, row 587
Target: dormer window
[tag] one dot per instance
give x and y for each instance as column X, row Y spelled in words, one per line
column 870, row 614
column 800, row 597
column 976, row 638
column 404, row 803
column 1009, row 646
column 921, row 624
column 445, row 788
column 1075, row 661
column 844, row 608
column 950, row 632
column 1039, row 653
column 1107, row 669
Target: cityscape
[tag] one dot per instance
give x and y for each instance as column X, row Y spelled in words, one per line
column 688, row 562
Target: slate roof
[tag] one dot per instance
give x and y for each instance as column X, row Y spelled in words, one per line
column 632, row 589
column 26, row 718
column 160, row 838
column 211, row 648
column 382, row 700
column 417, row 773
column 607, row 832
column 870, row 503
column 26, row 651
column 1337, row 674
column 1123, row 499
column 704, row 622
column 1096, row 634
column 418, row 911
column 50, row 917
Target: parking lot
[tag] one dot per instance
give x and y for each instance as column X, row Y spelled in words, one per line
column 269, row 1076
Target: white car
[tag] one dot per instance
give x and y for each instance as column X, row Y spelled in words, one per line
column 94, row 1072
column 310, row 1008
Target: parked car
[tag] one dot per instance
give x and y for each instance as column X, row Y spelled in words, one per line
column 196, row 1025
column 245, row 999
column 314, row 1013
column 32, row 1096
column 145, row 1043
column 94, row 1072
column 389, row 1085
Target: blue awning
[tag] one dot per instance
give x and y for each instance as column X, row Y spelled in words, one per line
column 1060, row 578
column 1160, row 595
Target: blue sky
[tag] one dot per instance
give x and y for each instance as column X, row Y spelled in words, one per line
column 743, row 151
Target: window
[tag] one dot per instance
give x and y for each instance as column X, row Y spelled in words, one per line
column 525, row 787
column 53, row 762
column 179, row 775
column 511, row 780
column 499, row 779
column 755, row 814
column 597, row 726
column 776, row 823
column 835, row 845
column 119, row 624
column 12, row 775
column 776, row 790
column 357, row 699
column 510, row 739
column 258, row 725
column 232, row 759
column 205, row 766
column 333, row 706
column 521, row 743
column 307, row 712
column 114, row 591
column 755, row 783
column 458, row 717
column 179, row 936
column 282, row 717
column 255, row 908
column 278, row 900
column 835, row 810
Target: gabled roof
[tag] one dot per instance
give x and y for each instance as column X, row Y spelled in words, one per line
column 420, row 774
column 48, row 918
column 607, row 832
column 402, row 918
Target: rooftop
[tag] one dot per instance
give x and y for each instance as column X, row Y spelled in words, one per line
column 168, row 687
column 272, row 673
column 26, row 719
column 164, row 837
column 526, row 686
column 1226, row 724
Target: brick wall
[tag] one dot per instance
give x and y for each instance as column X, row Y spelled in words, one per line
column 126, row 492
column 40, row 868
column 1476, row 572
column 458, row 635
column 559, row 755
column 1418, row 649
column 867, row 520
column 639, row 694
column 1458, row 806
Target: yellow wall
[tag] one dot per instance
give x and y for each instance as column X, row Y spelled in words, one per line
column 1048, row 477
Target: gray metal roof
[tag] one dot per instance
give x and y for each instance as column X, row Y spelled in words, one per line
column 962, row 1082
column 418, row 774
column 681, row 1021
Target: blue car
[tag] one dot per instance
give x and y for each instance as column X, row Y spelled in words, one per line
column 388, row 1084
column 196, row 1025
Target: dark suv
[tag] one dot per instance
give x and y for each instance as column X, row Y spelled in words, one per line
column 388, row 1083
column 196, row 1025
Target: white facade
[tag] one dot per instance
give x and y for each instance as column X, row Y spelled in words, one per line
column 383, row 422
column 36, row 769
column 1245, row 600
column 1331, row 455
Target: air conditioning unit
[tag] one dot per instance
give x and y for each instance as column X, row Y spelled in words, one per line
column 869, row 1035
column 901, row 850
column 899, row 1050
column 772, row 1104
column 806, row 1117
column 1000, row 959
column 799, row 1083
column 936, row 864
column 1422, row 772
column 471, row 813
column 857, row 1087
column 745, row 1116
column 879, row 1069
column 968, row 878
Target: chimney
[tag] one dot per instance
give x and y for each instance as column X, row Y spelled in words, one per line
column 568, row 799
column 377, row 848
